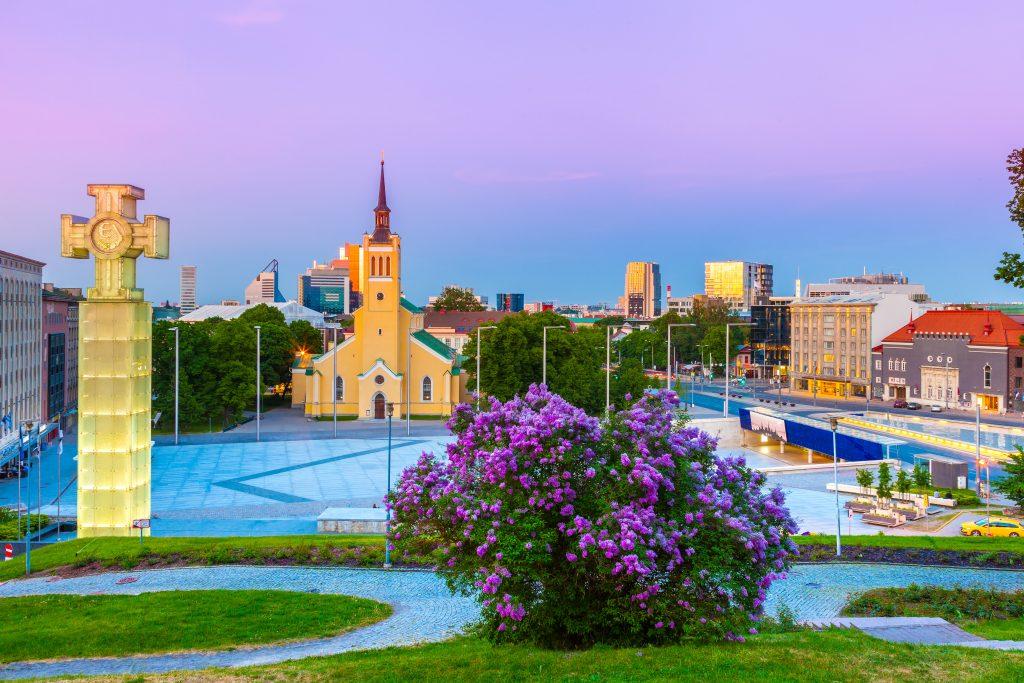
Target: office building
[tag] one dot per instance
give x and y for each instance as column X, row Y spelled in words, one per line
column 21, row 345
column 265, row 289
column 642, row 295
column 867, row 283
column 187, row 289
column 509, row 301
column 740, row 284
column 60, row 351
column 770, row 335
column 832, row 338
column 325, row 287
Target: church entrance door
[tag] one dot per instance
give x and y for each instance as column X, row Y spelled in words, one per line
column 378, row 407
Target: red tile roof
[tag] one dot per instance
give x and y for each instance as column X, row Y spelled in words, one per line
column 984, row 328
column 461, row 321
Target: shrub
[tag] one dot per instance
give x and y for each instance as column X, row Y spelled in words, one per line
column 884, row 489
column 571, row 532
column 922, row 477
column 903, row 482
column 865, row 478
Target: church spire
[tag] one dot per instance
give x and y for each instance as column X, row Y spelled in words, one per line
column 381, row 214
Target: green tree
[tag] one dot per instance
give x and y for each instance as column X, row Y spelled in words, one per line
column 922, row 477
column 1012, row 483
column 610, row 320
column 457, row 299
column 1011, row 267
column 884, row 489
column 865, row 478
column 276, row 343
column 306, row 338
column 903, row 481
column 628, row 380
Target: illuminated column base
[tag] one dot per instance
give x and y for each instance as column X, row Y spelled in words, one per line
column 114, row 406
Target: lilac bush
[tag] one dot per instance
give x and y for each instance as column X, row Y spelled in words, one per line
column 571, row 531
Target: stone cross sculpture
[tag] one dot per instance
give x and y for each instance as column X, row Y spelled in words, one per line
column 115, row 361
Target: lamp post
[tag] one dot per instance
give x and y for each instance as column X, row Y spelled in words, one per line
column 668, row 351
column 977, row 444
column 176, row 348
column 988, row 490
column 607, row 370
column 23, row 440
column 479, row 352
column 544, row 361
column 334, row 382
column 387, row 508
column 833, row 422
column 259, row 388
column 725, row 406
column 60, row 454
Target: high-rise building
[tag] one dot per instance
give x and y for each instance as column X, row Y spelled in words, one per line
column 509, row 301
column 326, row 288
column 264, row 288
column 741, row 284
column 187, row 289
column 642, row 296
column 21, row 346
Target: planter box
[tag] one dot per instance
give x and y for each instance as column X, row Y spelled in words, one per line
column 913, row 497
column 352, row 521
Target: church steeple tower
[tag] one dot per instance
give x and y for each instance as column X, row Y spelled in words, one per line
column 381, row 214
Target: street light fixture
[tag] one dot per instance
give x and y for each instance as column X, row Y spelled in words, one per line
column 175, row 329
column 479, row 352
column 833, row 422
column 334, row 382
column 387, row 507
column 725, row 406
column 668, row 351
column 259, row 388
column 977, row 445
column 544, row 361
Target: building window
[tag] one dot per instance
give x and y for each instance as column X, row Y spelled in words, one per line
column 373, row 266
column 988, row 376
column 387, row 267
column 878, row 364
column 1018, row 362
column 427, row 389
column 339, row 389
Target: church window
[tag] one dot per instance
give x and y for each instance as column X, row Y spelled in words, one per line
column 379, row 379
column 373, row 266
column 380, row 296
column 428, row 387
column 339, row 389
column 988, row 376
column 380, row 331
column 387, row 266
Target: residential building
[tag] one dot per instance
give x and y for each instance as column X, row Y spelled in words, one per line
column 832, row 338
column 454, row 328
column 187, row 289
column 770, row 335
column 390, row 364
column 539, row 306
column 292, row 311
column 21, row 345
column 60, row 351
column 265, row 289
column 741, row 284
column 954, row 358
column 325, row 287
column 685, row 305
column 509, row 301
column 642, row 295
column 869, row 282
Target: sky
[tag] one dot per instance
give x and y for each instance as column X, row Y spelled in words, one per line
column 531, row 147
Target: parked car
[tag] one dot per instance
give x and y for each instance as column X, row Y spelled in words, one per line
column 899, row 403
column 913, row 405
column 936, row 409
column 993, row 526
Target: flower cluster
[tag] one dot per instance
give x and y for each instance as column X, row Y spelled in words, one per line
column 573, row 531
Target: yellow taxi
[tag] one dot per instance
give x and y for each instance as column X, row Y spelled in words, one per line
column 993, row 526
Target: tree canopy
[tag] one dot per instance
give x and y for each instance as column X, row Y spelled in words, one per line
column 1011, row 267
column 457, row 299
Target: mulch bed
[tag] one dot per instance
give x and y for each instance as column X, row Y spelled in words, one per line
column 924, row 556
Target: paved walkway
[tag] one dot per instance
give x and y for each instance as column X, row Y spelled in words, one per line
column 424, row 610
column 917, row 630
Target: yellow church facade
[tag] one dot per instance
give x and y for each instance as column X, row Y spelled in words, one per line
column 390, row 358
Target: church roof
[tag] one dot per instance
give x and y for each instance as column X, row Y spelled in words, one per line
column 410, row 306
column 434, row 344
column 382, row 195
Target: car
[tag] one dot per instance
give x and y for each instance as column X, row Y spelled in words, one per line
column 913, row 405
column 993, row 526
column 899, row 403
column 936, row 409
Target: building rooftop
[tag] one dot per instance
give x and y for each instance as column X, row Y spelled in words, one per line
column 984, row 328
column 838, row 299
column 463, row 322
column 292, row 311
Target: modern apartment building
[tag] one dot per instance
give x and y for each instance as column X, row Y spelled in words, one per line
column 869, row 282
column 740, row 284
column 685, row 305
column 326, row 287
column 187, row 289
column 832, row 338
column 642, row 295
column 21, row 345
column 509, row 301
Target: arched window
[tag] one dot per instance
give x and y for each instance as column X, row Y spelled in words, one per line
column 380, row 265
column 387, row 266
column 428, row 389
column 373, row 266
column 988, row 376
column 339, row 389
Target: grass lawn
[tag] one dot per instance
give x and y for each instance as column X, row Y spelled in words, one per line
column 51, row 626
column 954, row 543
column 835, row 655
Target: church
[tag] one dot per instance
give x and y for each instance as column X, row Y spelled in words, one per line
column 390, row 358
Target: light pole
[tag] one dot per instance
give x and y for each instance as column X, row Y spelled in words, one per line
column 977, row 444
column 387, row 507
column 544, row 361
column 24, row 440
column 60, row 455
column 334, row 382
column 479, row 352
column 988, row 491
column 175, row 385
column 945, row 390
column 668, row 351
column 259, row 388
column 607, row 370
column 833, row 422
column 725, row 406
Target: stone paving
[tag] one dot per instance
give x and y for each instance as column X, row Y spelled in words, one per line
column 424, row 610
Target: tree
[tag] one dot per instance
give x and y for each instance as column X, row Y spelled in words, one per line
column 629, row 380
column 457, row 299
column 1012, row 483
column 922, row 477
column 903, row 481
column 306, row 338
column 865, row 478
column 884, row 489
column 276, row 343
column 1011, row 267
column 610, row 321
column 572, row 532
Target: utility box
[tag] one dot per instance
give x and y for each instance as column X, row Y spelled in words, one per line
column 947, row 473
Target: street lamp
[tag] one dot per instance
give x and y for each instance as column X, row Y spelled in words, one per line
column 988, row 490
column 175, row 329
column 668, row 351
column 977, row 444
column 334, row 382
column 24, row 439
column 607, row 370
column 725, row 406
column 833, row 422
column 387, row 507
column 479, row 351
column 259, row 388
column 544, row 361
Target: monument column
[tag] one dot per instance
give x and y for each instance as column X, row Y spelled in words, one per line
column 114, row 361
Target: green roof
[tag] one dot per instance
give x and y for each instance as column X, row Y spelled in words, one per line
column 434, row 344
column 410, row 306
